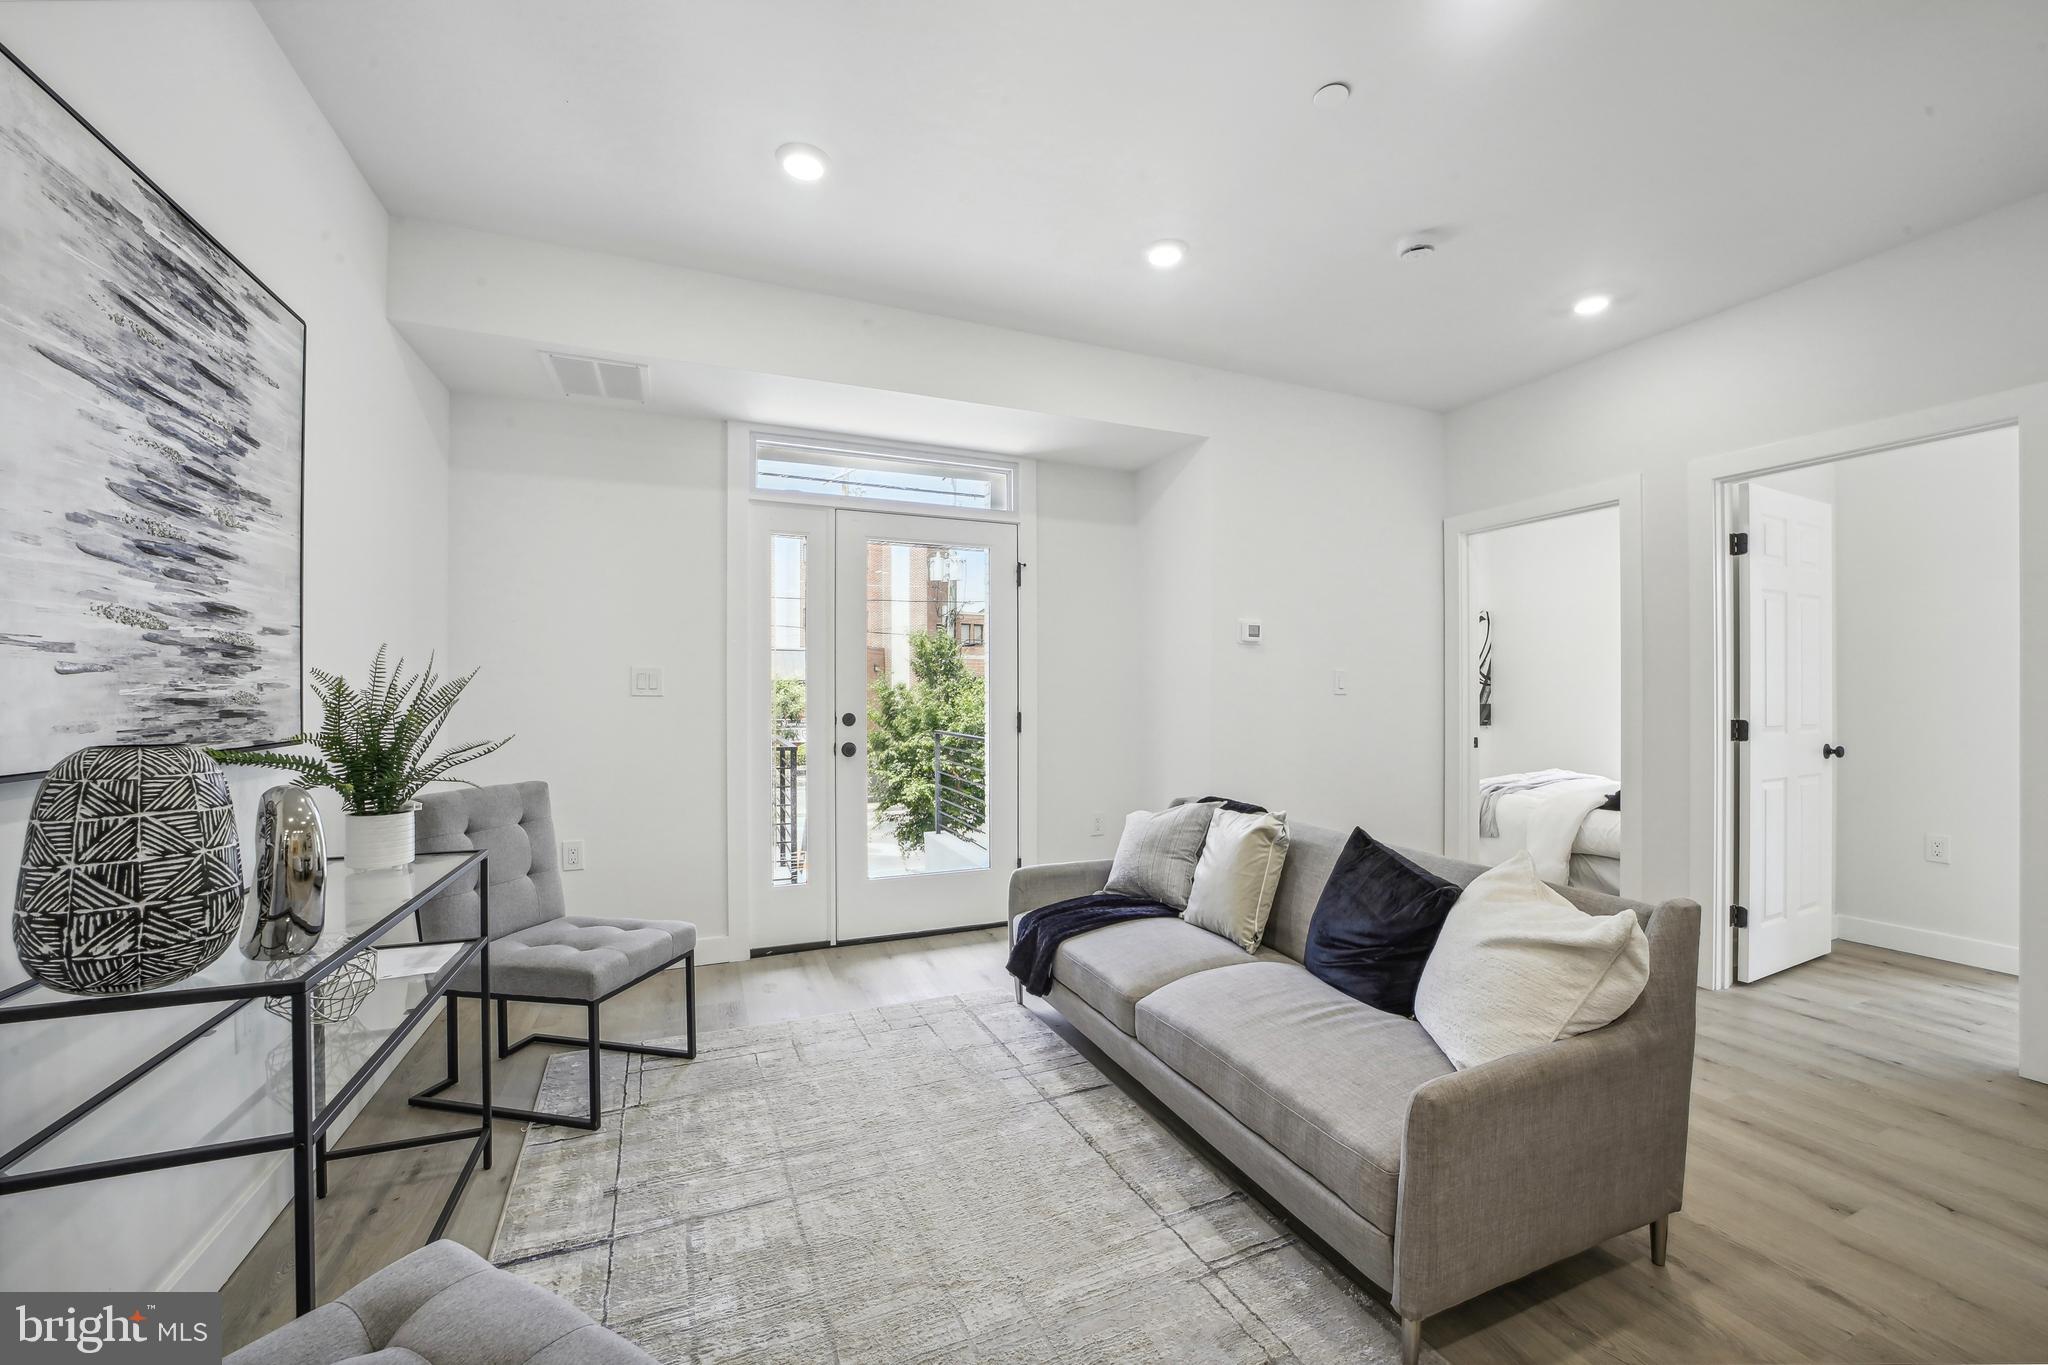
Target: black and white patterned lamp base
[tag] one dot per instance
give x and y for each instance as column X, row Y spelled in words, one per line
column 131, row 874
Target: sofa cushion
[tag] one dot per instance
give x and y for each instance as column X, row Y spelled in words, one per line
column 1518, row 966
column 1324, row 1078
column 1378, row 917
column 1155, row 858
column 1113, row 968
column 1237, row 874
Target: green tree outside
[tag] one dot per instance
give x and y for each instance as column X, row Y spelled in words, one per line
column 902, row 718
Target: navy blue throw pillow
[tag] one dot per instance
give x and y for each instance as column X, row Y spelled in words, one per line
column 1241, row 807
column 1375, row 923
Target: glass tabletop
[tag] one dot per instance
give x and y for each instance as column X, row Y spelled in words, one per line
column 362, row 907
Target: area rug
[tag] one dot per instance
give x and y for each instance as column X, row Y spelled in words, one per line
column 941, row 1181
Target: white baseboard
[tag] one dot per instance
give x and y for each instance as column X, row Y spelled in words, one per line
column 1904, row 938
column 722, row 948
column 230, row 1238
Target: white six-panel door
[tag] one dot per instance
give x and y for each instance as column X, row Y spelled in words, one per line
column 1786, row 686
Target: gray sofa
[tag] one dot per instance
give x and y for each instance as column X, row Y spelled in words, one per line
column 1436, row 1184
column 443, row 1305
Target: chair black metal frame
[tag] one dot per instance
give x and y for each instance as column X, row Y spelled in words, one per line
column 593, row 1041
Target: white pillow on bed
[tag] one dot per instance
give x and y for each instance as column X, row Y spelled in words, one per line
column 1517, row 966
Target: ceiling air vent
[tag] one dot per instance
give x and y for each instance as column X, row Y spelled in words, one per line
column 583, row 376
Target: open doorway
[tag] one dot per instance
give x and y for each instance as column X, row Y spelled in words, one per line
column 1543, row 700
column 1875, row 674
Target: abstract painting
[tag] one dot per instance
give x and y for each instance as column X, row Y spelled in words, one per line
column 152, row 428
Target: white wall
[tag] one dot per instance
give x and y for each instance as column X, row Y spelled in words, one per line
column 1091, row 655
column 1954, row 315
column 1553, row 588
column 199, row 96
column 1927, row 698
column 1317, row 512
column 583, row 541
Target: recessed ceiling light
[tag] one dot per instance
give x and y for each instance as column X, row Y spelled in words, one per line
column 1332, row 95
column 1166, row 255
column 800, row 161
column 1593, row 305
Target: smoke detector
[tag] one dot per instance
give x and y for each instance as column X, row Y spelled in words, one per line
column 583, row 376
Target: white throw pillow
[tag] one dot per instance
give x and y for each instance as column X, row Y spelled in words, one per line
column 1518, row 966
column 1237, row 875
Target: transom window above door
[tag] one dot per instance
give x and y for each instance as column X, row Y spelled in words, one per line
column 847, row 470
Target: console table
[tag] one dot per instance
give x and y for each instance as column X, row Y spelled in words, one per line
column 329, row 1064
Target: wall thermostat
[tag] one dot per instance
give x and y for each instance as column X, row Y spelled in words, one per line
column 1249, row 632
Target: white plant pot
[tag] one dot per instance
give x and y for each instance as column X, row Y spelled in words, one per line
column 380, row 841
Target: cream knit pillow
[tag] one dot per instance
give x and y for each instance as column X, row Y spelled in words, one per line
column 1518, row 966
column 1237, row 875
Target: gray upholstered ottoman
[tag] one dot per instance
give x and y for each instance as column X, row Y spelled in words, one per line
column 443, row 1305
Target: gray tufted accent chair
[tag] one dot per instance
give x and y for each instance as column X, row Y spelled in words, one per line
column 443, row 1303
column 540, row 953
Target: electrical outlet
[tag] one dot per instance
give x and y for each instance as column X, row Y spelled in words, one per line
column 572, row 855
column 1098, row 826
column 1937, row 848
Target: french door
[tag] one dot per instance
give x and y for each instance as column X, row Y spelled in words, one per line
column 884, row 802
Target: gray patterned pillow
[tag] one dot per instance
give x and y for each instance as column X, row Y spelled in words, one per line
column 1156, row 858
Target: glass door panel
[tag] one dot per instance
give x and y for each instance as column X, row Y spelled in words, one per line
column 787, row 797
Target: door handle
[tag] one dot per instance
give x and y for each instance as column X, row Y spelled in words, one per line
column 1832, row 751
column 846, row 749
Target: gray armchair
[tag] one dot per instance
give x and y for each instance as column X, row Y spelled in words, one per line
column 443, row 1303
column 540, row 953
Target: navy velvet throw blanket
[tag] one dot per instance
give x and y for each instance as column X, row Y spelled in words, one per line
column 1041, row 932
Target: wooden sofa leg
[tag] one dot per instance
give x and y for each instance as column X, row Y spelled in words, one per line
column 1411, row 1341
column 1660, row 1239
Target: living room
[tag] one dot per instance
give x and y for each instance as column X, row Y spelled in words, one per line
column 1099, row 412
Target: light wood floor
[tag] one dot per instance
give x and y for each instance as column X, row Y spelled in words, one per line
column 1868, row 1177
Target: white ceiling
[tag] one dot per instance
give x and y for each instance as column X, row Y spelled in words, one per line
column 1007, row 163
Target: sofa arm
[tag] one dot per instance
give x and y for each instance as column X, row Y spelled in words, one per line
column 1517, row 1163
column 1050, row 883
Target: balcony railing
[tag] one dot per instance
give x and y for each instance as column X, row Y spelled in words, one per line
column 960, row 784
column 789, row 850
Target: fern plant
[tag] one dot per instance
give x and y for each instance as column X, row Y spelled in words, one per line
column 375, row 744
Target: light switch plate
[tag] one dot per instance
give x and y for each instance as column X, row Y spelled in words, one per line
column 643, row 680
column 572, row 855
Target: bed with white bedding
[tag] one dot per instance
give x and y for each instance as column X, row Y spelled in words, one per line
column 1557, row 815
column 1596, row 852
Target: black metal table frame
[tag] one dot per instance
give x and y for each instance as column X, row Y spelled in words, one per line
column 307, row 1140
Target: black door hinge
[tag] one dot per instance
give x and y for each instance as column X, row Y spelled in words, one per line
column 1738, row 915
column 1738, row 542
column 1738, row 730
column 1020, row 573
column 1020, row 722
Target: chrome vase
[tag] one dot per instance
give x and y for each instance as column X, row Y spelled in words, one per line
column 291, row 876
